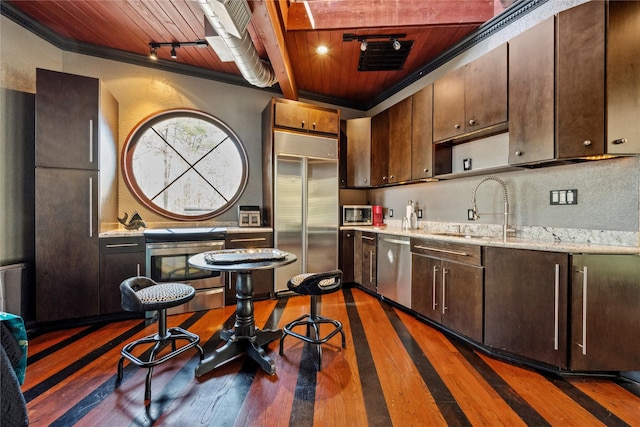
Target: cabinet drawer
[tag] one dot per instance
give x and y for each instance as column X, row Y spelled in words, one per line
column 248, row 240
column 452, row 251
column 118, row 245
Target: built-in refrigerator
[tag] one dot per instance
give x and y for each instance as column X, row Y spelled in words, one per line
column 305, row 212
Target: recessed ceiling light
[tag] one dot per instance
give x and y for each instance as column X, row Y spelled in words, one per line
column 322, row 49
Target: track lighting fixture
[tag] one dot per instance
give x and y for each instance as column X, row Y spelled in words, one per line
column 154, row 46
column 393, row 38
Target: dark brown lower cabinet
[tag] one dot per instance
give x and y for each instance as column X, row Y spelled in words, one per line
column 347, row 238
column 447, row 292
column 526, row 303
column 120, row 258
column 605, row 313
column 262, row 279
column 67, row 255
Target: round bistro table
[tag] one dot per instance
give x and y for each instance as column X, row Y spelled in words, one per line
column 244, row 337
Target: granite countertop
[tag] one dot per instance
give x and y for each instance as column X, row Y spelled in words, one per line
column 121, row 232
column 527, row 238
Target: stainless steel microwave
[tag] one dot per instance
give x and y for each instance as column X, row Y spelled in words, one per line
column 357, row 215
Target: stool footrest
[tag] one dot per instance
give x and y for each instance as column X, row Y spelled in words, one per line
column 173, row 334
column 307, row 320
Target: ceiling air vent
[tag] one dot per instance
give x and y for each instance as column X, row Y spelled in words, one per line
column 381, row 56
column 234, row 15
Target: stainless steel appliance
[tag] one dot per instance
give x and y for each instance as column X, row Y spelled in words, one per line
column 167, row 257
column 394, row 268
column 357, row 215
column 305, row 206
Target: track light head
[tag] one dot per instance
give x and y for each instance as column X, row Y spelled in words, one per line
column 174, row 54
column 153, row 53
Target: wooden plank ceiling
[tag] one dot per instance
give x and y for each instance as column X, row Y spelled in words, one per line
column 284, row 33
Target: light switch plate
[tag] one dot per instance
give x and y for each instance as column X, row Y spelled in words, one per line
column 563, row 197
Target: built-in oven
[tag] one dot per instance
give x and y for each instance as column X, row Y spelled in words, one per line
column 167, row 260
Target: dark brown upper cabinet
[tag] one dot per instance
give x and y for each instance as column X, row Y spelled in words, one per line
column 471, row 101
column 623, row 77
column 67, row 111
column 379, row 148
column 574, row 88
column 399, row 143
column 422, row 134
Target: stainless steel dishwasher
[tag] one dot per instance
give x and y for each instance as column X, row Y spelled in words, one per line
column 394, row 268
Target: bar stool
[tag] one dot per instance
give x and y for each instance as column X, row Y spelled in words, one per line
column 314, row 284
column 143, row 294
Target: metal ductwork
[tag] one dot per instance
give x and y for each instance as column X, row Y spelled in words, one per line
column 229, row 20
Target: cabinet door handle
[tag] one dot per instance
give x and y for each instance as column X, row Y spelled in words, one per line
column 138, row 269
column 302, row 124
column 472, row 122
column 314, row 126
column 446, row 251
column 91, row 141
column 586, row 143
column 519, row 153
column 556, row 308
column 584, row 311
column 425, row 170
column 368, row 238
column 619, row 141
column 371, row 266
column 121, row 245
column 253, row 239
column 444, row 290
column 457, row 126
column 90, row 207
column 433, row 288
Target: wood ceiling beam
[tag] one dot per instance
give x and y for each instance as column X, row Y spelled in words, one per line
column 269, row 27
column 337, row 14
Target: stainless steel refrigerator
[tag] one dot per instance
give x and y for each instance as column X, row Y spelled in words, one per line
column 305, row 203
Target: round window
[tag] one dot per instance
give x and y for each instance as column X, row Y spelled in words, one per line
column 185, row 165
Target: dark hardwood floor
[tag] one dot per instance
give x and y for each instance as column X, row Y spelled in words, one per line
column 396, row 370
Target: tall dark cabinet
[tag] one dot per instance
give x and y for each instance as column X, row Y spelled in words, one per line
column 76, row 146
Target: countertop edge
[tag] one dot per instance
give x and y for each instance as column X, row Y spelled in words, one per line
column 512, row 242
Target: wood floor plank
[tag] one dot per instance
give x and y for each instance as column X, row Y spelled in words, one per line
column 42, row 342
column 408, row 398
column 555, row 406
column 616, row 399
column 339, row 399
column 126, row 402
column 270, row 398
column 396, row 370
column 476, row 397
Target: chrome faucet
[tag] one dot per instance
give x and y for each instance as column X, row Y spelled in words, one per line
column 505, row 227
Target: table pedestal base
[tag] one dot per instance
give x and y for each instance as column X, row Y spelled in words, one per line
column 237, row 345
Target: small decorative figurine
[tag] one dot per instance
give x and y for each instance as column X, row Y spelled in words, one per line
column 135, row 222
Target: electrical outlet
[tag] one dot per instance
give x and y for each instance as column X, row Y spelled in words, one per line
column 390, row 213
column 470, row 215
column 419, row 213
column 466, row 164
column 563, row 197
